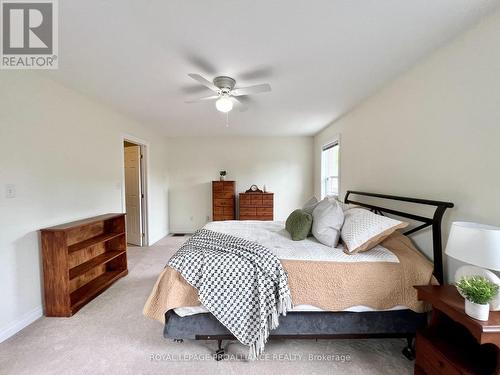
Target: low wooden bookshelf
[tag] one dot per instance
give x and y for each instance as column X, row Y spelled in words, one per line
column 80, row 260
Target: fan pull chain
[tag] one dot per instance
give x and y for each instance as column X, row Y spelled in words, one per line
column 227, row 119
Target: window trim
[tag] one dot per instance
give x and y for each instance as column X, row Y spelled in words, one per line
column 334, row 141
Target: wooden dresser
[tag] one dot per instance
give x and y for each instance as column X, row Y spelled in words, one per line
column 223, row 200
column 80, row 260
column 256, row 206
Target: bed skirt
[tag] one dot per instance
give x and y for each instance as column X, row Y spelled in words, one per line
column 399, row 323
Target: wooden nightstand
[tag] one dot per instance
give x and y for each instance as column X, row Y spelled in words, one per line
column 454, row 343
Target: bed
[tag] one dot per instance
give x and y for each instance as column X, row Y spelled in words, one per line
column 366, row 295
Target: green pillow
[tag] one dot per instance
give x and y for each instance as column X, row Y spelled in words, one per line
column 299, row 224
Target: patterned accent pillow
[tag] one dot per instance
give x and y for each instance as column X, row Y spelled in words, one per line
column 363, row 230
column 327, row 221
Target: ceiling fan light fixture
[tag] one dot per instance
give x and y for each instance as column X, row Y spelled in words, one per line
column 226, row 95
column 224, row 104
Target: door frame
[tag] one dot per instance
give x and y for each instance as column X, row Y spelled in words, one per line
column 145, row 208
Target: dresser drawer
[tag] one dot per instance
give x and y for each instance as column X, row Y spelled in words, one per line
column 217, row 186
column 223, row 202
column 228, row 186
column 264, row 211
column 253, row 204
column 265, row 217
column 223, row 217
column 256, row 201
column 430, row 360
column 256, row 217
column 244, row 199
column 223, row 195
column 226, row 210
column 248, row 211
column 268, row 202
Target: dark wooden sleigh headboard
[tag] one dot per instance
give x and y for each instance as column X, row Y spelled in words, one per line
column 434, row 222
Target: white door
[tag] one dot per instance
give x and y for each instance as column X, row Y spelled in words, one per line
column 133, row 194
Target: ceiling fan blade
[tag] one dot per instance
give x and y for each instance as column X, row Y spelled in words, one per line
column 241, row 107
column 213, row 97
column 257, row 89
column 204, row 82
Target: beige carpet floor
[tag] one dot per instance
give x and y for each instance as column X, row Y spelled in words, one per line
column 111, row 336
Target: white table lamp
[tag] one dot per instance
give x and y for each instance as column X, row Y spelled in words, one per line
column 478, row 245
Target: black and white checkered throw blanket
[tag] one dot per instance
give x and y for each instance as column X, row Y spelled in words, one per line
column 240, row 282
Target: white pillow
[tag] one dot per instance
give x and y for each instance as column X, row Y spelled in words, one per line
column 344, row 206
column 327, row 222
column 310, row 205
column 363, row 230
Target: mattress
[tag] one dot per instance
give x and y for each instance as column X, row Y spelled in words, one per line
column 272, row 235
column 193, row 310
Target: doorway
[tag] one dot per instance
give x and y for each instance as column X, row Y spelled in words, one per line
column 135, row 192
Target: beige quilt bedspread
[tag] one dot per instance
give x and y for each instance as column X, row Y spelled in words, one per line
column 332, row 286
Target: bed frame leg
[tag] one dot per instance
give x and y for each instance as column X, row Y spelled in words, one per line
column 409, row 350
column 219, row 353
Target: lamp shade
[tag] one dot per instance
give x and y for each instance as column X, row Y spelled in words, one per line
column 476, row 244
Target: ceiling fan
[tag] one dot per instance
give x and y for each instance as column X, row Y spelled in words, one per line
column 226, row 93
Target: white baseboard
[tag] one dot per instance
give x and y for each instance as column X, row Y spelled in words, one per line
column 184, row 229
column 21, row 323
column 155, row 239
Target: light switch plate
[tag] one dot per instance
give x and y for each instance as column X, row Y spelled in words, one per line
column 10, row 191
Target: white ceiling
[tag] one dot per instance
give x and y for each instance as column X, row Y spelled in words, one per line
column 321, row 57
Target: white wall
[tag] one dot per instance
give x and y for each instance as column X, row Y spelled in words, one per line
column 284, row 165
column 64, row 153
column 433, row 133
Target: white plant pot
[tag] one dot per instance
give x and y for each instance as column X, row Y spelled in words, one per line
column 466, row 271
column 477, row 311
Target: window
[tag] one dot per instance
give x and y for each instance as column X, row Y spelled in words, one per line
column 330, row 169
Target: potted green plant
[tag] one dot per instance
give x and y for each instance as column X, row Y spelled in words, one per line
column 478, row 292
column 222, row 175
